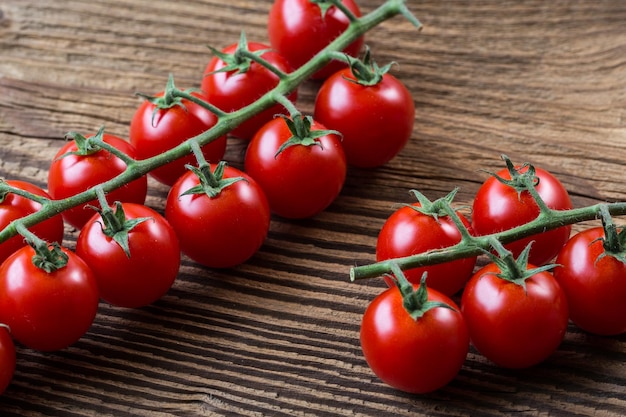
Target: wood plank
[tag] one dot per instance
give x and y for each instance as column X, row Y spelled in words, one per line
column 542, row 82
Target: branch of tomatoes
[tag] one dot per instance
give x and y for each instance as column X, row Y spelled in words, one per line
column 227, row 121
column 471, row 245
column 516, row 309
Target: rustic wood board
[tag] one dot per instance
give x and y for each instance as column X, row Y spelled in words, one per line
column 543, row 82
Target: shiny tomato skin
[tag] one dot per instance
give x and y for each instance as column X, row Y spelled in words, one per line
column 300, row 181
column 170, row 127
column 416, row 356
column 13, row 207
column 7, row 359
column 219, row 232
column 510, row 326
column 148, row 273
column 74, row 174
column 595, row 287
column 376, row 121
column 498, row 207
column 408, row 232
column 47, row 311
column 297, row 29
column 231, row 90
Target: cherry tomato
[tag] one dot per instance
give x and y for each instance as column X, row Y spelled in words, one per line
column 72, row 174
column 595, row 286
column 234, row 89
column 13, row 207
column 153, row 133
column 376, row 121
column 512, row 325
column 47, row 311
column 300, row 180
column 414, row 355
column 298, row 29
column 409, row 232
column 147, row 272
column 221, row 231
column 7, row 358
column 498, row 207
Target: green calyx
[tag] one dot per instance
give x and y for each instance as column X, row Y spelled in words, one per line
column 366, row 72
column 415, row 301
column 302, row 134
column 170, row 98
column 48, row 256
column 211, row 182
column 435, row 209
column 238, row 62
column 85, row 146
column 522, row 179
column 511, row 269
column 116, row 226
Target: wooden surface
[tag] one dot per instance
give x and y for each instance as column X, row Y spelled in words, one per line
column 544, row 82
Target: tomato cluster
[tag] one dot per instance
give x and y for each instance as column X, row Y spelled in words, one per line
column 515, row 309
column 414, row 336
column 128, row 254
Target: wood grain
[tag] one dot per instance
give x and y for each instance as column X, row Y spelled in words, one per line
column 543, row 82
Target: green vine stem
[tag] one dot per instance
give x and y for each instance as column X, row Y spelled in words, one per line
column 226, row 121
column 477, row 245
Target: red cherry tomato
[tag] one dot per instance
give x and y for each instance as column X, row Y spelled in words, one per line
column 409, row 232
column 376, row 121
column 154, row 133
column 147, row 272
column 222, row 231
column 232, row 90
column 498, row 207
column 512, row 325
column 73, row 174
column 13, row 207
column 595, row 286
column 414, row 355
column 298, row 29
column 47, row 311
column 7, row 358
column 301, row 180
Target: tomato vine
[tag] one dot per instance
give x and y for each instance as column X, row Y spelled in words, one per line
column 211, row 179
column 227, row 121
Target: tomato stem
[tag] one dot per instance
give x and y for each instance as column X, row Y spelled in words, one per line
column 415, row 301
column 115, row 224
column 93, row 144
column 514, row 270
column 211, row 182
column 611, row 238
column 259, row 60
column 5, row 189
column 281, row 99
column 172, row 96
column 614, row 242
column 365, row 71
column 208, row 106
column 326, row 4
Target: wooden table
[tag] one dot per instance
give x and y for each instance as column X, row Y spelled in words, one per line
column 543, row 82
